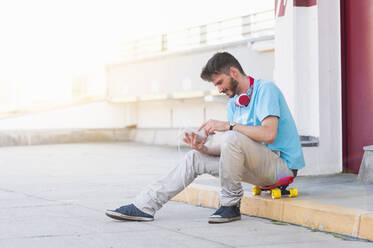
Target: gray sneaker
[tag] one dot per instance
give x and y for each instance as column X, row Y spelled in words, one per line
column 225, row 214
column 129, row 212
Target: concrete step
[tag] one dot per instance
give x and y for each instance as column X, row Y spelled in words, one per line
column 336, row 203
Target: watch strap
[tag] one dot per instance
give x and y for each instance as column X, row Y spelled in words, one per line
column 231, row 125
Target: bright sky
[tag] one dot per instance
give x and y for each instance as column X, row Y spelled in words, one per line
column 44, row 43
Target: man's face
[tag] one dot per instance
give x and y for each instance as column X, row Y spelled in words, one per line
column 225, row 84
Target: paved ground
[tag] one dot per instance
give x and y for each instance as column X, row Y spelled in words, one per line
column 55, row 196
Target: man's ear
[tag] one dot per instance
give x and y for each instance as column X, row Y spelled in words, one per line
column 234, row 72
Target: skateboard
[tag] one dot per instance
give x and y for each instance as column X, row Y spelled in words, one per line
column 278, row 189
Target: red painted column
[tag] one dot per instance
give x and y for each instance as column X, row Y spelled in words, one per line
column 358, row 79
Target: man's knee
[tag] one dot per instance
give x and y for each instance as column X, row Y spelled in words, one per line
column 192, row 161
column 236, row 138
column 231, row 140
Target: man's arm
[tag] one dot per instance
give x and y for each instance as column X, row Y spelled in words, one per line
column 266, row 133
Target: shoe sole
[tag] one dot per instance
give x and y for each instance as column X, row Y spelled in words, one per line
column 223, row 220
column 119, row 216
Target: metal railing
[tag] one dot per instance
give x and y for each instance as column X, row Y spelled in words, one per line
column 228, row 30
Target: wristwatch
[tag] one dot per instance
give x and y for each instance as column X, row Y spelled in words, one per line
column 231, row 125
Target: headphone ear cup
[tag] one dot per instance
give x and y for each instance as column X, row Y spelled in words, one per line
column 242, row 100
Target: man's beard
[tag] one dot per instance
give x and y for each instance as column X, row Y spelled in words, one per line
column 233, row 87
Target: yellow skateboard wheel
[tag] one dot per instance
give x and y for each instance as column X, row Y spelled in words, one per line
column 293, row 192
column 256, row 190
column 276, row 193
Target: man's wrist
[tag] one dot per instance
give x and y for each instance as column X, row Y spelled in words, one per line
column 227, row 126
column 232, row 125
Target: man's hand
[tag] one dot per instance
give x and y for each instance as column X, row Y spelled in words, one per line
column 196, row 142
column 211, row 126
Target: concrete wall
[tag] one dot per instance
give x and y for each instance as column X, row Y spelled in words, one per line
column 166, row 91
column 179, row 113
column 90, row 115
column 176, row 75
column 330, row 86
column 307, row 69
column 296, row 64
column 179, row 72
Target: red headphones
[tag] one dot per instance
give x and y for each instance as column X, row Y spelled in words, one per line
column 244, row 99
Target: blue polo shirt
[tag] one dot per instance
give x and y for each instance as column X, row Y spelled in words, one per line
column 267, row 100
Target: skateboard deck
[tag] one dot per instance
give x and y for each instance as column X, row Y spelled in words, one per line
column 278, row 189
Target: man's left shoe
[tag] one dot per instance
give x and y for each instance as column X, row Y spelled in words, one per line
column 225, row 214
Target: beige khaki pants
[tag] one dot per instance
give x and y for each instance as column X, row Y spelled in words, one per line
column 241, row 160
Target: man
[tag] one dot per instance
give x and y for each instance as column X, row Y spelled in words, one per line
column 260, row 145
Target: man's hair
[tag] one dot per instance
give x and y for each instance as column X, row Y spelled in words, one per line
column 218, row 64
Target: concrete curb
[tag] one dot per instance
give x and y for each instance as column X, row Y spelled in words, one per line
column 348, row 221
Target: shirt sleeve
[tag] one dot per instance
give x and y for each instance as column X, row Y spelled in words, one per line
column 268, row 101
column 230, row 111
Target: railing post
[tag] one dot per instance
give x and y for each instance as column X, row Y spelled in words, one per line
column 245, row 25
column 220, row 31
column 164, row 43
column 135, row 48
column 203, row 35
